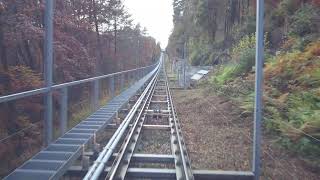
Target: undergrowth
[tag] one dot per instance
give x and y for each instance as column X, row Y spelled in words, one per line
column 291, row 92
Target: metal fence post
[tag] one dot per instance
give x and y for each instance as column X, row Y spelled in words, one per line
column 136, row 75
column 184, row 74
column 258, row 89
column 127, row 79
column 63, row 110
column 130, row 78
column 111, row 86
column 122, row 76
column 95, row 98
column 48, row 64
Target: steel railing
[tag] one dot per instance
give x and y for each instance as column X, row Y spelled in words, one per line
column 137, row 73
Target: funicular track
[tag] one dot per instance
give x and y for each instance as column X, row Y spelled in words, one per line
column 153, row 111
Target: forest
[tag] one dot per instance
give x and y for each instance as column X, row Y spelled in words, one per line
column 91, row 37
column 222, row 34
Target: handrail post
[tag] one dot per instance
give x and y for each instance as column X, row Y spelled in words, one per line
column 258, row 89
column 121, row 81
column 95, row 97
column 136, row 75
column 143, row 72
column 126, row 79
column 140, row 74
column 48, row 64
column 131, row 77
column 63, row 110
column 111, row 86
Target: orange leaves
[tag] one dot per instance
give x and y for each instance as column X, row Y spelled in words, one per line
column 314, row 48
column 23, row 78
column 296, row 68
column 289, row 43
column 19, row 78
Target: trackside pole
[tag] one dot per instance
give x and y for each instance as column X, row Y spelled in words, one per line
column 258, row 89
column 63, row 110
column 48, row 63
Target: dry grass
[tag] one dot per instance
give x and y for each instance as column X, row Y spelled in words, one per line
column 218, row 138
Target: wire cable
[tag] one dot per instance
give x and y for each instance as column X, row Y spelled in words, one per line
column 18, row 132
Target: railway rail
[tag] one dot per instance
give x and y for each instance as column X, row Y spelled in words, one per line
column 154, row 104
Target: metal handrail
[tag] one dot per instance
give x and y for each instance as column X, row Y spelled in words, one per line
column 42, row 90
column 63, row 89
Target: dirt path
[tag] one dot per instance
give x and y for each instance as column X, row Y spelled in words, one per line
column 218, row 138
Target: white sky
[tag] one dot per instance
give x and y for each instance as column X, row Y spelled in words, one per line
column 155, row 15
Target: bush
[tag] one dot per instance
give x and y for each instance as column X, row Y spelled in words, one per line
column 296, row 76
column 304, row 146
column 246, row 61
column 246, row 43
column 295, row 70
column 195, row 58
column 244, row 55
column 199, row 51
column 223, row 75
column 302, row 23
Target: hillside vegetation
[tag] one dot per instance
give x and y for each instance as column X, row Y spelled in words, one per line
column 222, row 34
column 91, row 37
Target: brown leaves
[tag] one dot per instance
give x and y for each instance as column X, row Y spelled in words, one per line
column 298, row 70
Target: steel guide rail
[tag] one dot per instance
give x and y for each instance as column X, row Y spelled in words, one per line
column 178, row 144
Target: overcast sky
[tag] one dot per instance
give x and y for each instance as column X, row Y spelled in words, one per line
column 155, row 15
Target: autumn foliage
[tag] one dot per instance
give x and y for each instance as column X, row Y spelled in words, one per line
column 91, row 37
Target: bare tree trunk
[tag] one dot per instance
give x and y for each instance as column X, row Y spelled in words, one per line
column 3, row 50
column 10, row 106
column 99, row 48
column 115, row 36
column 29, row 55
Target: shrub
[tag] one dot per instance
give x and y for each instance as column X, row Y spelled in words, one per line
column 246, row 61
column 230, row 71
column 295, row 70
column 303, row 146
column 195, row 58
column 224, row 74
column 247, row 42
column 302, row 23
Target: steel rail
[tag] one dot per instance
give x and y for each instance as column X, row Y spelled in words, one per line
column 121, row 164
column 174, row 140
column 188, row 175
column 98, row 166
